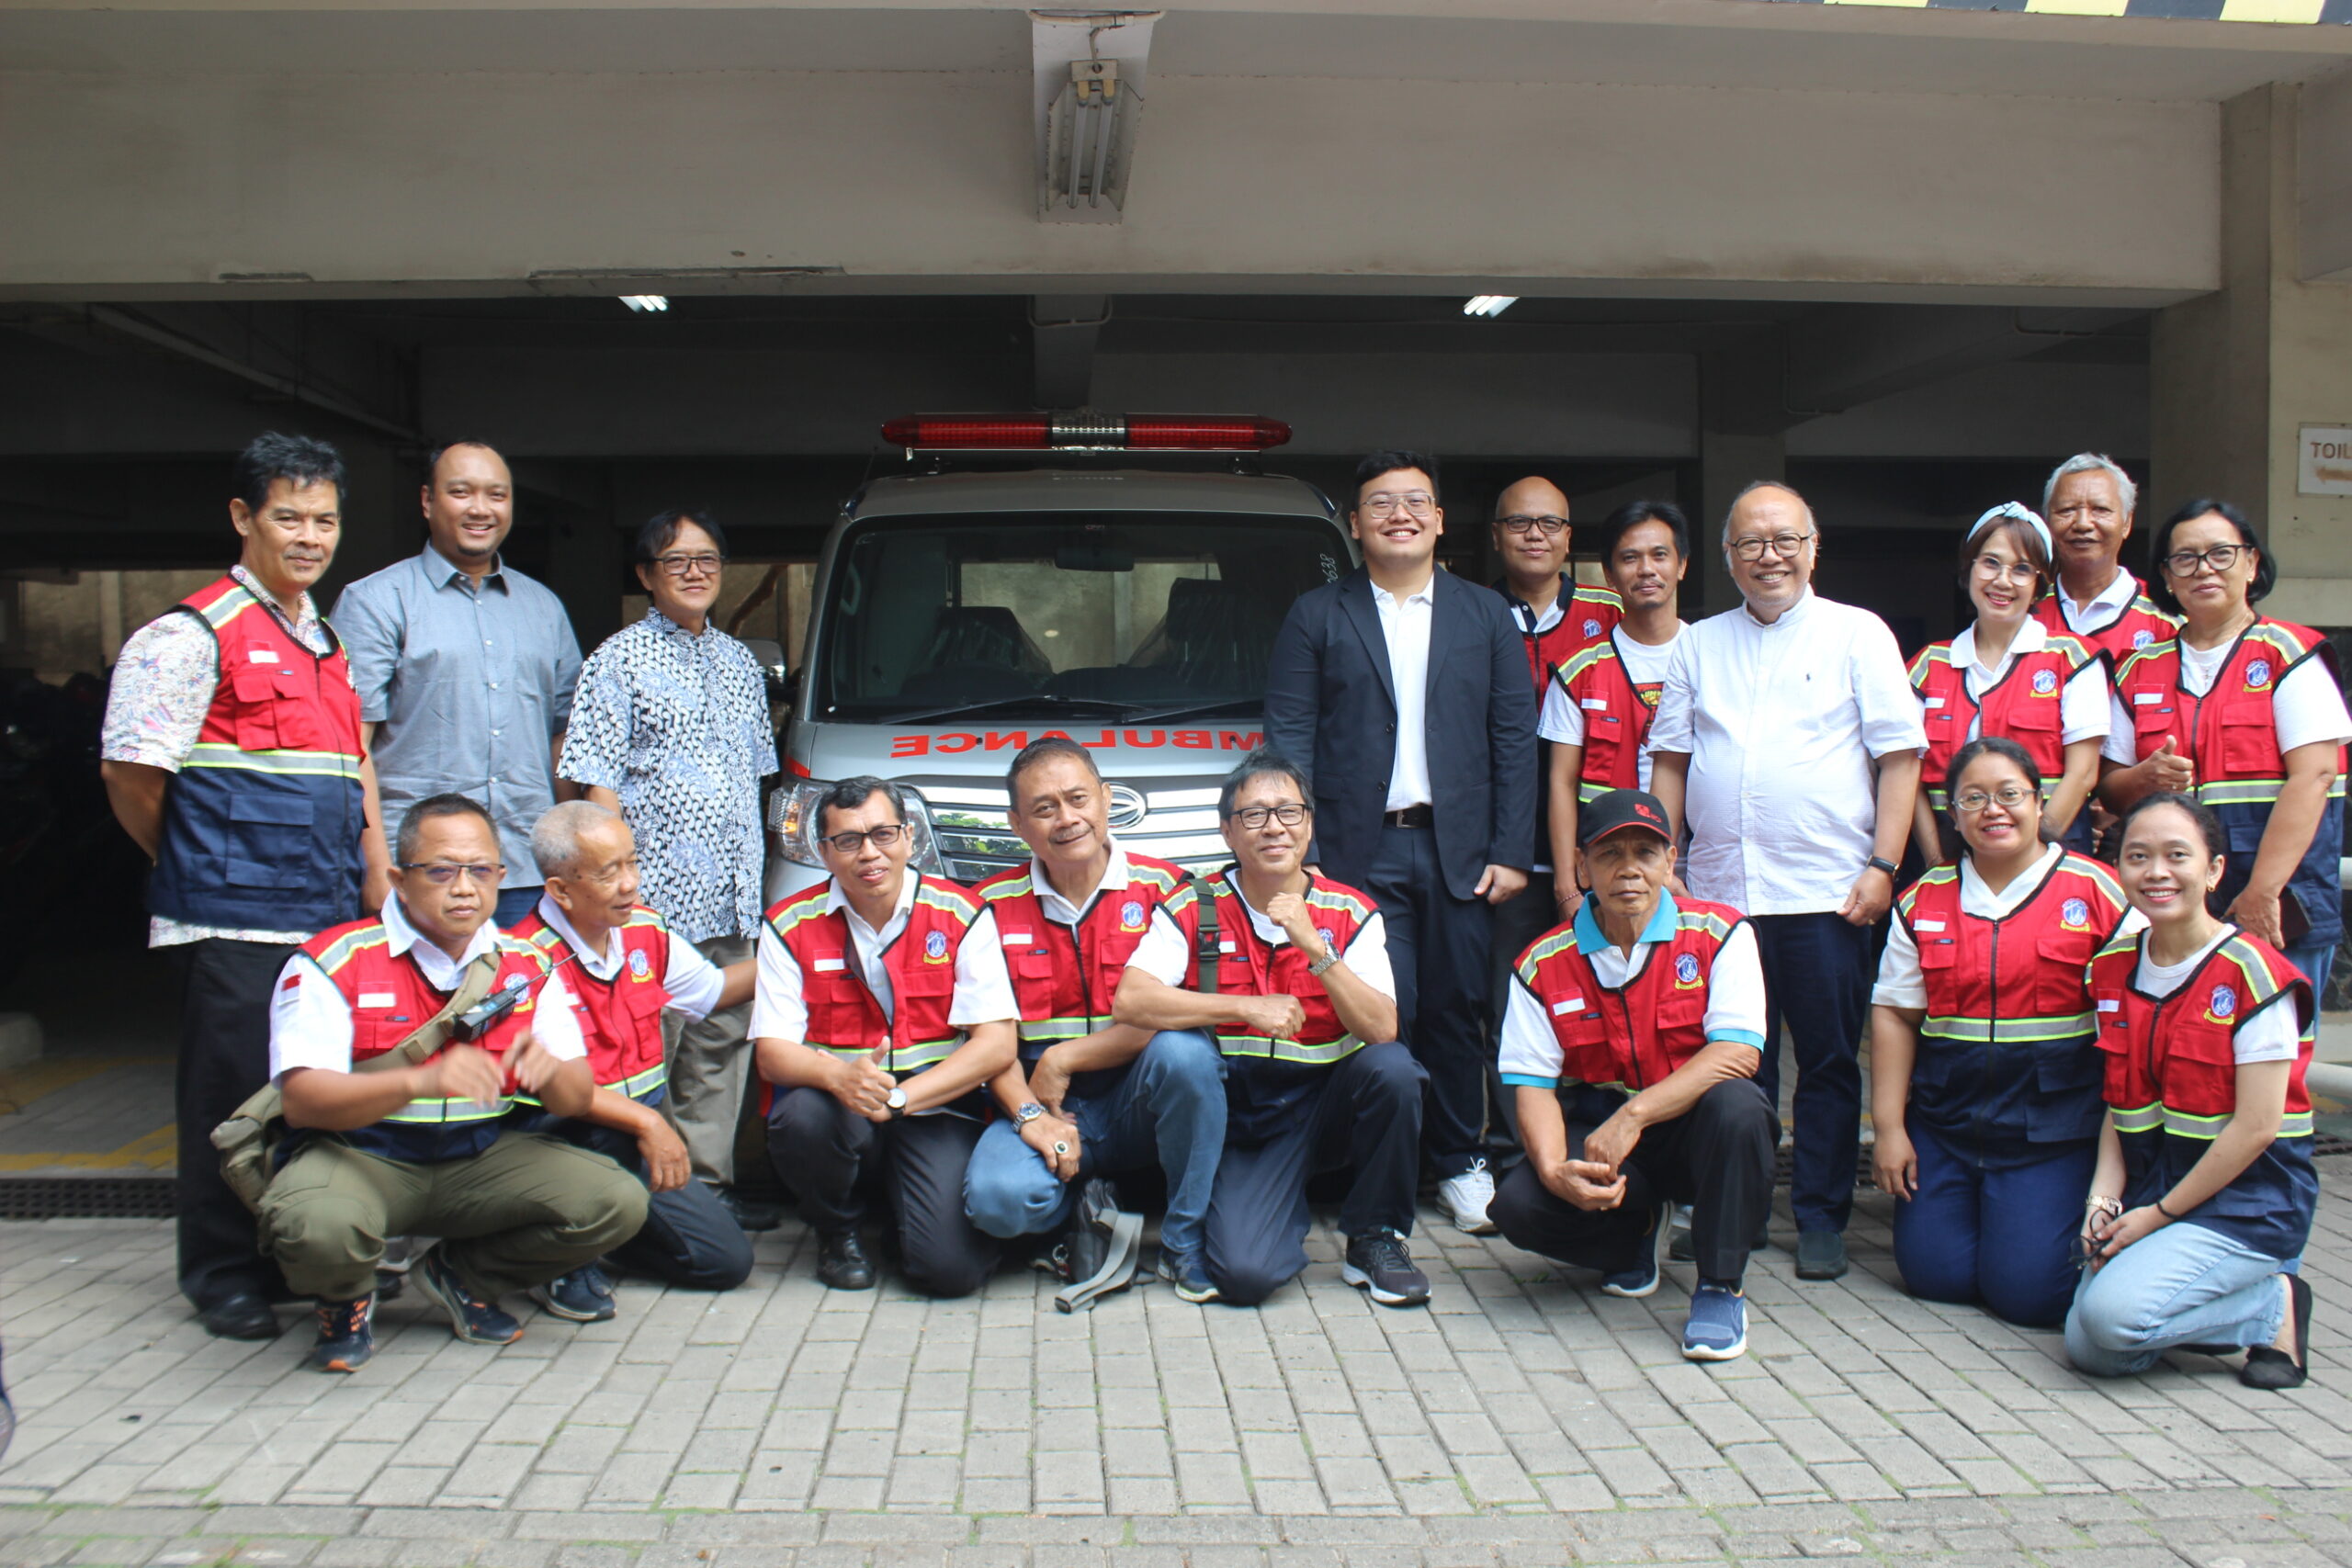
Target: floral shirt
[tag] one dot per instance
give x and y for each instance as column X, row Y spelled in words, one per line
column 677, row 725
column 162, row 687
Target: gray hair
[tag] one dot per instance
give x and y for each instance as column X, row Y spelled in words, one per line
column 2093, row 463
column 555, row 840
column 1750, row 488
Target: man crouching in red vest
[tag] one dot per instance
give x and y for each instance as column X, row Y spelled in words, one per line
column 1632, row 1036
column 883, row 1005
column 425, row 1150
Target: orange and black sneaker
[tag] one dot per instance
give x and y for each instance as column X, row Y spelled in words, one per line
column 346, row 1334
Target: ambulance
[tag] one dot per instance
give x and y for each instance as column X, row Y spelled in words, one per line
column 962, row 612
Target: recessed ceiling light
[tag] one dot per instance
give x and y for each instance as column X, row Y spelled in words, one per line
column 646, row 301
column 1489, row 304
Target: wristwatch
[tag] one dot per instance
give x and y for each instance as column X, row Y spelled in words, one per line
column 1328, row 958
column 1879, row 862
column 1024, row 1115
column 897, row 1100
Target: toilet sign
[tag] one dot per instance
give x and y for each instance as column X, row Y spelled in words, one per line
column 2323, row 460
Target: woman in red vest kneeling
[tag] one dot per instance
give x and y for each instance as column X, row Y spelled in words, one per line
column 1984, row 1077
column 2194, row 1233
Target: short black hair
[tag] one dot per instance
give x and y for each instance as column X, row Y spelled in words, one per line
column 660, row 531
column 432, row 807
column 2266, row 570
column 1044, row 749
column 300, row 460
column 1378, row 463
column 433, row 458
column 1948, row 821
column 1632, row 514
column 852, row 792
column 1256, row 764
column 2208, row 827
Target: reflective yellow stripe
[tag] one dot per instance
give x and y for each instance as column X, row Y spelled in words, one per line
column 2051, row 1027
column 909, row 1058
column 439, row 1112
column 2240, row 792
column 312, row 764
column 1587, row 792
column 1056, row 1028
column 2142, row 1119
column 1296, row 1053
column 2203, row 1129
column 642, row 1083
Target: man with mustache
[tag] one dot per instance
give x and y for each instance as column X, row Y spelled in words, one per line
column 232, row 754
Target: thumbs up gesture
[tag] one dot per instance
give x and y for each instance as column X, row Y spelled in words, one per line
column 867, row 1086
column 2167, row 768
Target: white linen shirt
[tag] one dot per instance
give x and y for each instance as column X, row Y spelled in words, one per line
column 983, row 986
column 694, row 982
column 1530, row 1054
column 2083, row 707
column 1164, row 954
column 1405, row 627
column 1781, row 722
column 309, row 1019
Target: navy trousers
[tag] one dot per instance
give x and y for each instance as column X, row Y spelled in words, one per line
column 1816, row 977
column 688, row 1238
column 223, row 1059
column 2001, row 1233
column 1438, row 945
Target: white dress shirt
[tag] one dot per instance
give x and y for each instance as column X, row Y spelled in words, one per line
column 2098, row 612
column 1405, row 627
column 1781, row 722
column 309, row 1019
column 1060, row 910
column 694, row 983
column 983, row 986
column 2083, row 706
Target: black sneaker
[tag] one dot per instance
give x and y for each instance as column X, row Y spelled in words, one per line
column 472, row 1319
column 841, row 1263
column 585, row 1295
column 751, row 1215
column 1381, row 1262
column 1821, row 1255
column 1185, row 1271
column 346, row 1334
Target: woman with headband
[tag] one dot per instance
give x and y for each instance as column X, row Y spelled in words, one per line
column 2009, row 676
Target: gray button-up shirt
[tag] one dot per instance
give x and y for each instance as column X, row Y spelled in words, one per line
column 469, row 685
column 677, row 725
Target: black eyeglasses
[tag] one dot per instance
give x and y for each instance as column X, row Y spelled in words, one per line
column 1254, row 816
column 1519, row 523
column 2221, row 557
column 691, row 565
column 443, row 873
column 889, row 833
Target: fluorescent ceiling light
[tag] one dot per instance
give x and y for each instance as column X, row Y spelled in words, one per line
column 646, row 301
column 1489, row 304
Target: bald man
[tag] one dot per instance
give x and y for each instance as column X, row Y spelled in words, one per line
column 1558, row 617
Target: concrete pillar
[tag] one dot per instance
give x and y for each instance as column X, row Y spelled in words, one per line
column 2235, row 374
column 1740, row 440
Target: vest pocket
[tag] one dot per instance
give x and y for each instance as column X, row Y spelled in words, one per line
column 2062, row 957
column 269, row 840
column 2067, row 1075
column 1585, row 1053
column 257, row 707
column 2249, row 739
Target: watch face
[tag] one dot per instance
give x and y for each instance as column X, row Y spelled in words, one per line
column 898, row 1097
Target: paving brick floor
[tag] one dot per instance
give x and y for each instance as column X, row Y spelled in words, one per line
column 1524, row 1418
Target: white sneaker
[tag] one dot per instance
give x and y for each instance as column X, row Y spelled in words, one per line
column 1465, row 1199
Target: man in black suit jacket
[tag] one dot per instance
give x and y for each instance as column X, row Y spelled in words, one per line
column 1405, row 690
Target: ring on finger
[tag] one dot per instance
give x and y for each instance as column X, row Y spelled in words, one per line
column 1060, row 1147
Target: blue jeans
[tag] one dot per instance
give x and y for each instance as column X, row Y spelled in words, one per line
column 2314, row 958
column 1817, row 977
column 514, row 903
column 2184, row 1284
column 1168, row 1106
column 2003, row 1236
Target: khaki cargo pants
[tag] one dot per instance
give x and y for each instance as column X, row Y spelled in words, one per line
column 525, row 1210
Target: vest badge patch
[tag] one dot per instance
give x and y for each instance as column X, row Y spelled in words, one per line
column 2074, row 913
column 640, row 967
column 1686, row 971
column 2045, row 682
column 2224, row 1006
column 1131, row 916
column 2258, row 675
column 934, row 948
column 2143, row 638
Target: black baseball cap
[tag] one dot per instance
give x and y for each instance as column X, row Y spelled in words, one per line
column 1621, row 808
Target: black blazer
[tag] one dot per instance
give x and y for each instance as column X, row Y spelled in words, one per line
column 1332, row 708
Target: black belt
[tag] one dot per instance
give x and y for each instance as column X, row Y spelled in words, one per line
column 1411, row 816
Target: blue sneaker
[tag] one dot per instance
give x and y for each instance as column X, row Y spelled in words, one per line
column 1717, row 1327
column 1185, row 1273
column 1641, row 1277
column 472, row 1319
column 347, row 1335
column 583, row 1295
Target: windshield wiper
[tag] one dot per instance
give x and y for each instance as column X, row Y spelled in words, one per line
column 997, row 705
column 1221, row 707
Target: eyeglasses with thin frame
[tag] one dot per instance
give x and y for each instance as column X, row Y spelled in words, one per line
column 442, row 873
column 1519, row 523
column 883, row 837
column 2221, row 557
column 1254, row 816
column 2009, row 798
column 1785, row 546
column 1995, row 567
column 1384, row 504
column 705, row 564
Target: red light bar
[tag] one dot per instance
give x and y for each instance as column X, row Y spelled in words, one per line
column 1086, row 432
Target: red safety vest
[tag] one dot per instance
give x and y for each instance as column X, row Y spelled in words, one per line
column 1065, row 977
column 1248, row 966
column 844, row 1017
column 1634, row 1038
column 621, row 1018
column 1587, row 616
column 2004, row 1054
column 2026, row 705
column 2171, row 1084
column 1617, row 714
column 390, row 999
column 2135, row 625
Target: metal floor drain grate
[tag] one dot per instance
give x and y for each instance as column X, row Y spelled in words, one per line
column 85, row 1197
